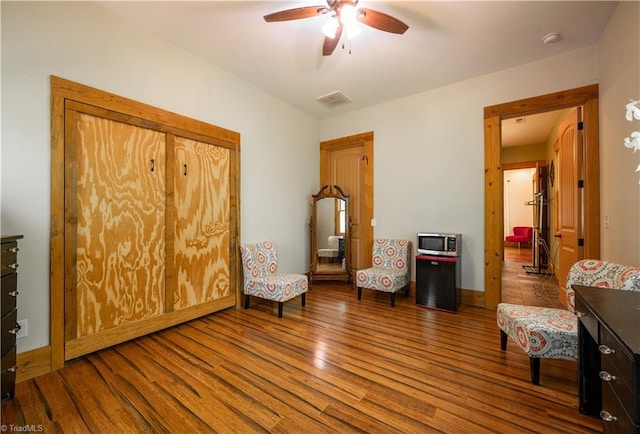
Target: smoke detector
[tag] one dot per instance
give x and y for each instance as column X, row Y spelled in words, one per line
column 333, row 99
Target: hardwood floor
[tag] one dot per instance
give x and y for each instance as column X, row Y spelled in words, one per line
column 520, row 287
column 336, row 365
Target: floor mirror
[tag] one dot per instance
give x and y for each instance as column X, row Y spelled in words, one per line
column 330, row 235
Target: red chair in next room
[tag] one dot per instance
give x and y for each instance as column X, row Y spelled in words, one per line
column 521, row 234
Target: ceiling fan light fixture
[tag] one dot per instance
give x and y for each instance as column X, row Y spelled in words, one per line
column 348, row 14
column 352, row 30
column 348, row 18
column 330, row 27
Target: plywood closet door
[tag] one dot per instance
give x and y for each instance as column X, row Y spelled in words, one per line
column 120, row 236
column 202, row 199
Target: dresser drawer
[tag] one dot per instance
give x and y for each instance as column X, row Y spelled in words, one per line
column 588, row 320
column 619, row 369
column 9, row 293
column 8, row 370
column 9, row 329
column 614, row 418
column 9, row 257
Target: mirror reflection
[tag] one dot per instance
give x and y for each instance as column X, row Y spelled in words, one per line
column 330, row 234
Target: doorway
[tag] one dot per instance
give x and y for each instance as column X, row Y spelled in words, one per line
column 348, row 163
column 585, row 97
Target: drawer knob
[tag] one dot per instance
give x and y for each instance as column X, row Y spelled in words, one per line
column 14, row 250
column 607, row 417
column 13, row 293
column 580, row 314
column 14, row 368
column 606, row 350
column 15, row 330
column 14, row 266
column 605, row 376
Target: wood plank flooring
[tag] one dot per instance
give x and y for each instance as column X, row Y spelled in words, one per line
column 334, row 366
column 520, row 287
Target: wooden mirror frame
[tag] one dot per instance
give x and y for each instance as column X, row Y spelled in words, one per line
column 330, row 192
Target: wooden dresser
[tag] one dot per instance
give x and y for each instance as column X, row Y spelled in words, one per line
column 609, row 356
column 8, row 306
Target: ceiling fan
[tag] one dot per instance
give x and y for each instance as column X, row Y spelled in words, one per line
column 344, row 15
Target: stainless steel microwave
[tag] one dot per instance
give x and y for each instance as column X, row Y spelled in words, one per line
column 439, row 244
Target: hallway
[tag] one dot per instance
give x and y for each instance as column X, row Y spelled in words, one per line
column 518, row 287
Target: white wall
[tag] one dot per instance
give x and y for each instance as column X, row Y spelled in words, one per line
column 429, row 150
column 518, row 190
column 619, row 58
column 79, row 41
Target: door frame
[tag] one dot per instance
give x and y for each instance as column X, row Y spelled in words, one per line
column 587, row 97
column 366, row 202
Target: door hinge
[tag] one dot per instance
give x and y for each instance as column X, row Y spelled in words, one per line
column 580, row 126
column 580, row 183
column 581, row 242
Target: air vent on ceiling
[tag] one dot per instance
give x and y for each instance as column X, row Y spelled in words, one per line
column 333, row 99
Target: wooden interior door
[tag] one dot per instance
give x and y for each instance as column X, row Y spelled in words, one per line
column 202, row 222
column 569, row 199
column 118, row 242
column 348, row 163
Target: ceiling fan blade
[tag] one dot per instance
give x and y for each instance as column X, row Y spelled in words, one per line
column 330, row 43
column 381, row 21
column 296, row 14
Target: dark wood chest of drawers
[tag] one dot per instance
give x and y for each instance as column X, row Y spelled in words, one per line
column 609, row 356
column 9, row 315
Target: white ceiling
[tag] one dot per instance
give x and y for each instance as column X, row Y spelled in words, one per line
column 531, row 130
column 446, row 42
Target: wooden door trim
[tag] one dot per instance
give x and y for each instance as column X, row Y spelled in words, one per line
column 493, row 208
column 365, row 140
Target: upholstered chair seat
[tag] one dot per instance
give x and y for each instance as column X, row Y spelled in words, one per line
column 548, row 333
column 521, row 234
column 333, row 248
column 390, row 271
column 261, row 277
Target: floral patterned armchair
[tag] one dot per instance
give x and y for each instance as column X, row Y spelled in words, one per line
column 547, row 333
column 390, row 271
column 261, row 277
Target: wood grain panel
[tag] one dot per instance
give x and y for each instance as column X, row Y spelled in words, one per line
column 155, row 310
column 120, row 237
column 202, row 222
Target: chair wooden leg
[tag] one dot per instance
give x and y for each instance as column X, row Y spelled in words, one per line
column 304, row 298
column 503, row 340
column 534, row 364
column 280, row 308
column 393, row 299
column 246, row 301
column 359, row 293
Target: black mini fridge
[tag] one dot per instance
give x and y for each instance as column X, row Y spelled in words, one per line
column 438, row 282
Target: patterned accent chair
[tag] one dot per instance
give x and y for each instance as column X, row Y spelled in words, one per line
column 390, row 271
column 261, row 277
column 547, row 333
column 333, row 248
